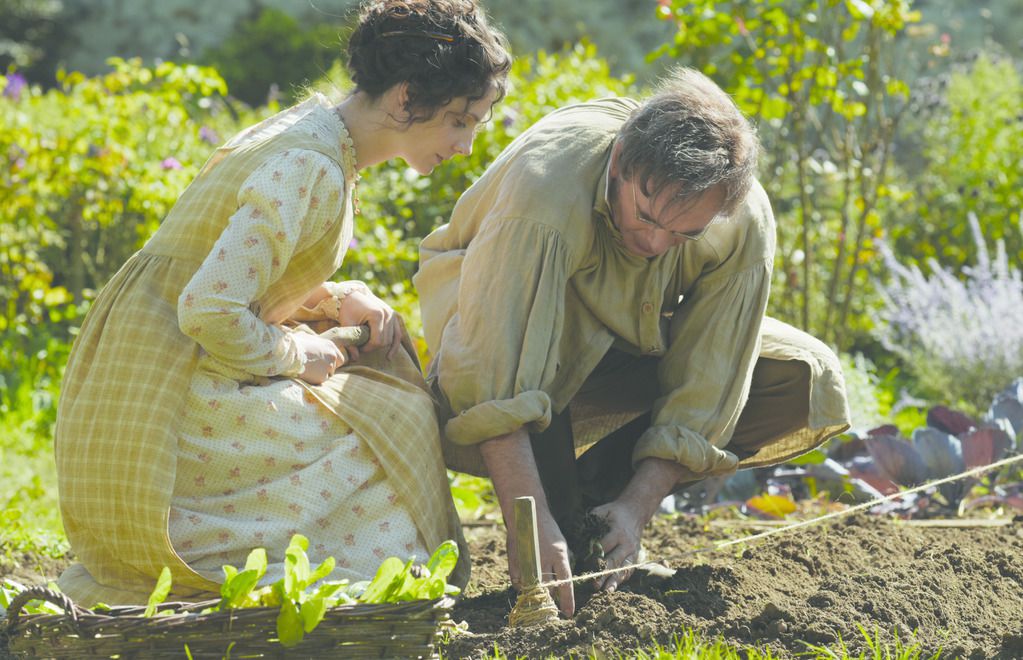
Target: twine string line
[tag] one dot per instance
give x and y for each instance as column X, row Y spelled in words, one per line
column 720, row 545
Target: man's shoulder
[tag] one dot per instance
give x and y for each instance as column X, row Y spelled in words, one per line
column 569, row 144
column 611, row 108
column 599, row 117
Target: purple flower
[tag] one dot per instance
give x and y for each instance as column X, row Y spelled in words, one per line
column 961, row 332
column 354, row 243
column 170, row 163
column 15, row 84
column 207, row 134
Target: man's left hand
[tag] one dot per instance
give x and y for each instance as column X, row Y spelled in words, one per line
column 621, row 544
column 628, row 515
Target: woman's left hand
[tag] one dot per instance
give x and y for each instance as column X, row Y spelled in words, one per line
column 386, row 327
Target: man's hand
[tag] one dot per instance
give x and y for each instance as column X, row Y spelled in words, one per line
column 629, row 514
column 509, row 459
column 621, row 544
column 554, row 564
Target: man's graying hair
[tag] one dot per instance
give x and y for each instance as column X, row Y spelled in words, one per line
column 690, row 132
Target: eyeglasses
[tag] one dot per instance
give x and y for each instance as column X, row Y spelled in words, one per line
column 688, row 235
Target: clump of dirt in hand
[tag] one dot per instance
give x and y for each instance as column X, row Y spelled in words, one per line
column 583, row 537
column 587, row 555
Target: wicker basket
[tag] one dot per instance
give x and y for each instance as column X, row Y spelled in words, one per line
column 400, row 630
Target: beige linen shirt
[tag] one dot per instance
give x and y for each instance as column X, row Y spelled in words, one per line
column 529, row 285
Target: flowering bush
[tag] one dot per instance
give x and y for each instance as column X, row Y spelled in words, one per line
column 962, row 337
column 90, row 168
column 87, row 171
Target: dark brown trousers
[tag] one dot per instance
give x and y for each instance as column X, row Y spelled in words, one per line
column 779, row 403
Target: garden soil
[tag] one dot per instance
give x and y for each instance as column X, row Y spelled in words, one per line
column 958, row 589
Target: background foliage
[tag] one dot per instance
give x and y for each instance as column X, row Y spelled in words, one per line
column 969, row 136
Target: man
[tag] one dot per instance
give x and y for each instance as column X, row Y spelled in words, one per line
column 610, row 272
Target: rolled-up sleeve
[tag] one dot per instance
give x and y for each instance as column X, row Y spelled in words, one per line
column 500, row 348
column 284, row 205
column 706, row 373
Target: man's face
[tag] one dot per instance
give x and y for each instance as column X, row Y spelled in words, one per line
column 652, row 225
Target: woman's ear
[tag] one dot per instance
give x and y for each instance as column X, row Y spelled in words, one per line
column 400, row 100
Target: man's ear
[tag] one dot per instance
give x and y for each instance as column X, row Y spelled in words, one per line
column 616, row 152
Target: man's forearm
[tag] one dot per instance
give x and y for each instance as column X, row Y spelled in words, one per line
column 509, row 459
column 653, row 480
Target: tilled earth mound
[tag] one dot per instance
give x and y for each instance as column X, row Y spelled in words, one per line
column 958, row 589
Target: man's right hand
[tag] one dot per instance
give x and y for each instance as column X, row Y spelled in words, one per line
column 509, row 459
column 554, row 561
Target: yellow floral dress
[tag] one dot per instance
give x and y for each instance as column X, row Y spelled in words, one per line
column 183, row 438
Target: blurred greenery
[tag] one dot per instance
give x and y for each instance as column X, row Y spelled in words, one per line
column 969, row 141
column 270, row 56
column 29, row 386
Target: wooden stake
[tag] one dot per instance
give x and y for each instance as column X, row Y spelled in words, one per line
column 534, row 605
column 527, row 541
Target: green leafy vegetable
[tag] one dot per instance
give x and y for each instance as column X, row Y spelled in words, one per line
column 163, row 587
column 303, row 606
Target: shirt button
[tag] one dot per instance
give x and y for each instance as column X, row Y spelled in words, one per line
column 647, row 308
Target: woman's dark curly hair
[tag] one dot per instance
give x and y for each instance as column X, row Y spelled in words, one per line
column 443, row 49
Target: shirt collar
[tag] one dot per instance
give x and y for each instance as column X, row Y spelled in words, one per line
column 601, row 203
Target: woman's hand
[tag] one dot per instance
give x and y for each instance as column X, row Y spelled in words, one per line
column 322, row 357
column 386, row 328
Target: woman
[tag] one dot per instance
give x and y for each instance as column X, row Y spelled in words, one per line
column 198, row 420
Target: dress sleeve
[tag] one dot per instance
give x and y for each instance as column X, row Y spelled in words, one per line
column 285, row 205
column 706, row 373
column 500, row 348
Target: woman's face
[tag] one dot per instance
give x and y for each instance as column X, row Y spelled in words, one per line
column 450, row 131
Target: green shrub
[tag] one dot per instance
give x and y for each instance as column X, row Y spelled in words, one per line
column 271, row 54
column 92, row 167
column 971, row 148
column 864, row 390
